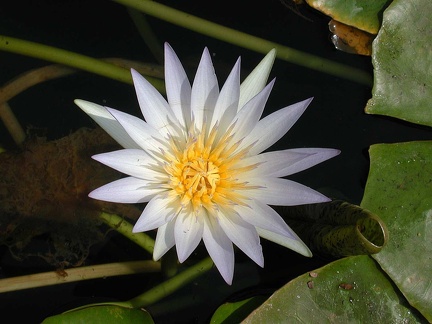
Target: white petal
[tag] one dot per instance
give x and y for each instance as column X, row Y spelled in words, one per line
column 227, row 102
column 257, row 79
column 315, row 156
column 295, row 245
column 142, row 133
column 159, row 211
column 128, row 190
column 272, row 127
column 154, row 107
column 136, row 163
column 286, row 162
column 164, row 239
column 270, row 163
column 188, row 233
column 242, row 234
column 248, row 116
column 178, row 87
column 260, row 215
column 105, row 120
column 283, row 192
column 220, row 248
column 205, row 91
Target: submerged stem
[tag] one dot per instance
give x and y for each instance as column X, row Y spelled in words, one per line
column 254, row 43
column 125, row 228
column 171, row 285
column 57, row 55
column 78, row 274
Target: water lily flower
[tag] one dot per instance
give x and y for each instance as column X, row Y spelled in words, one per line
column 197, row 161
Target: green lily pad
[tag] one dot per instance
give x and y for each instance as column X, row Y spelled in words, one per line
column 235, row 312
column 347, row 290
column 102, row 314
column 364, row 15
column 399, row 190
column 401, row 55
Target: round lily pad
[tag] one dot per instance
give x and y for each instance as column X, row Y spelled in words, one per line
column 350, row 290
column 401, row 55
column 399, row 190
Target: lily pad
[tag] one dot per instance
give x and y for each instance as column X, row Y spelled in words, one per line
column 353, row 288
column 364, row 15
column 401, row 55
column 236, row 311
column 399, row 190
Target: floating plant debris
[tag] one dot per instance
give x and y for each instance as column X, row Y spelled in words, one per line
column 43, row 197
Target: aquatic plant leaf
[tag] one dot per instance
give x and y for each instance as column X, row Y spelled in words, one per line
column 350, row 289
column 364, row 15
column 402, row 66
column 336, row 228
column 399, row 189
column 236, row 311
column 102, row 314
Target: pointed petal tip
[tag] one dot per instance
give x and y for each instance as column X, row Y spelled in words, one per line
column 138, row 228
column 270, row 57
column 93, row 194
column 87, row 106
column 228, row 278
column 134, row 72
column 78, row 101
column 168, row 50
column 226, row 273
column 296, row 244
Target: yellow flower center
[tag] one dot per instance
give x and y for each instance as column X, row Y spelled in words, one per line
column 202, row 171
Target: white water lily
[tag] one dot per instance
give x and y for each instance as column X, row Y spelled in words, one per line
column 197, row 161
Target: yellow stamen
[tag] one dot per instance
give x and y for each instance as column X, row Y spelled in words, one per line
column 203, row 172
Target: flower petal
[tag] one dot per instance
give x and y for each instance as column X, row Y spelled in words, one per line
column 188, row 232
column 159, row 211
column 257, row 79
column 227, row 102
column 261, row 215
column 285, row 162
column 164, row 239
column 154, row 107
column 178, row 87
column 128, row 190
column 105, row 120
column 136, row 163
column 142, row 133
column 314, row 156
column 242, row 234
column 219, row 247
column 283, row 192
column 205, row 91
column 295, row 245
column 272, row 127
column 248, row 116
column 269, row 163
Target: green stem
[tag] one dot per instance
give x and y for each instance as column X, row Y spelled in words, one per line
column 79, row 61
column 254, row 43
column 125, row 228
column 162, row 290
column 171, row 285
